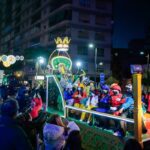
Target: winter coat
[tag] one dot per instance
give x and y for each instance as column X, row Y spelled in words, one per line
column 37, row 102
column 12, row 137
column 53, row 137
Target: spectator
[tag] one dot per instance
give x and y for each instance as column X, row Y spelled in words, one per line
column 36, row 106
column 53, row 133
column 73, row 141
column 132, row 144
column 12, row 137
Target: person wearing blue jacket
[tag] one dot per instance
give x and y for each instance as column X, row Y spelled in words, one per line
column 68, row 92
column 12, row 136
column 126, row 110
column 103, row 106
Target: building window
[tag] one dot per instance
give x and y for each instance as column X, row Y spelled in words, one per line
column 36, row 17
column 99, row 36
column 45, row 11
column 100, row 70
column 61, row 16
column 100, row 52
column 62, row 32
column 100, row 4
column 99, row 20
column 55, row 4
column 44, row 26
column 85, row 3
column 17, row 30
column 84, row 17
column 82, row 50
column 36, row 5
column 35, row 41
column 83, row 34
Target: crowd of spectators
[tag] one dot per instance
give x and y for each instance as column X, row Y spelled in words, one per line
column 24, row 125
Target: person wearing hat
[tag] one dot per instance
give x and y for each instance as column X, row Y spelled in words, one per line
column 12, row 136
column 116, row 99
column 79, row 96
column 127, row 110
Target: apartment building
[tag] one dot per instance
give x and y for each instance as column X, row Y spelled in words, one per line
column 33, row 23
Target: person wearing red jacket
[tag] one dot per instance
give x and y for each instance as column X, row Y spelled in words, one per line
column 79, row 95
column 37, row 105
column 116, row 101
column 116, row 98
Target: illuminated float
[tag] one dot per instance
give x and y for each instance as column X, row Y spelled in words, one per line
column 60, row 66
column 59, row 76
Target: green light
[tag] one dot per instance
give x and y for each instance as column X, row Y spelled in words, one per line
column 61, row 60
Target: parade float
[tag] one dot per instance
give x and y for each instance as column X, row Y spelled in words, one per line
column 60, row 66
column 60, row 77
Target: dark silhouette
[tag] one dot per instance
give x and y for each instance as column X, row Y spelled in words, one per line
column 73, row 141
column 12, row 136
column 132, row 144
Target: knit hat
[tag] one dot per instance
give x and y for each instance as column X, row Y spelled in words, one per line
column 9, row 108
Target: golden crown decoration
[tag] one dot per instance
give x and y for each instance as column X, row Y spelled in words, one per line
column 62, row 44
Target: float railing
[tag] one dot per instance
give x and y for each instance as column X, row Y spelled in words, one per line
column 67, row 107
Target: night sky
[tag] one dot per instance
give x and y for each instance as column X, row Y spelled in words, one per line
column 131, row 20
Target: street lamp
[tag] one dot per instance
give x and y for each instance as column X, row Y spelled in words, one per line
column 101, row 64
column 91, row 45
column 141, row 53
column 78, row 64
column 40, row 60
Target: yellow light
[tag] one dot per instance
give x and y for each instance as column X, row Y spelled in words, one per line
column 62, row 44
column 6, row 64
column 11, row 59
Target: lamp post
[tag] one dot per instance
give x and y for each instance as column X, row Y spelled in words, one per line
column 91, row 45
column 78, row 64
column 40, row 60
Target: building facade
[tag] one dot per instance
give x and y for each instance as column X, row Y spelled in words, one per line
column 30, row 23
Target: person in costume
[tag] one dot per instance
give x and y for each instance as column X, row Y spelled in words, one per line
column 103, row 106
column 116, row 99
column 126, row 110
column 90, row 104
column 68, row 93
column 79, row 95
column 104, row 98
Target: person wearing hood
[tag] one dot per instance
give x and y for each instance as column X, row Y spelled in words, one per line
column 54, row 133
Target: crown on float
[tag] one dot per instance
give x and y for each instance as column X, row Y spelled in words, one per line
column 62, row 44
